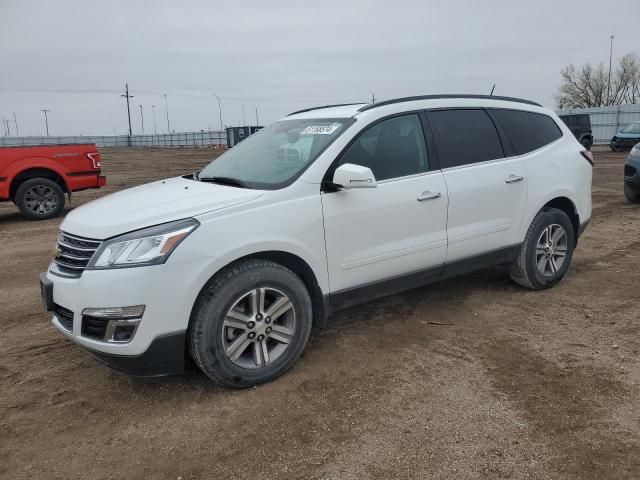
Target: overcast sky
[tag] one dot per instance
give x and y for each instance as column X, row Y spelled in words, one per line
column 74, row 57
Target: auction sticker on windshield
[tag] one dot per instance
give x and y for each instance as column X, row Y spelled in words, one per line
column 320, row 130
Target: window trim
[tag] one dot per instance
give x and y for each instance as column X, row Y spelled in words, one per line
column 327, row 179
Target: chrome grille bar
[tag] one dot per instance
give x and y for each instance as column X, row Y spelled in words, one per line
column 74, row 253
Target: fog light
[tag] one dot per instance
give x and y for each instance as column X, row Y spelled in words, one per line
column 115, row 313
column 112, row 324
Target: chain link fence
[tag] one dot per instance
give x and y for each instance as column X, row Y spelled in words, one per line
column 209, row 139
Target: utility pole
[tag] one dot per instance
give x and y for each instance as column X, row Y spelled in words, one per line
column 15, row 120
column 155, row 127
column 127, row 96
column 46, row 119
column 4, row 127
column 219, row 110
column 609, row 82
column 142, row 118
column 243, row 121
column 166, row 107
column 257, row 123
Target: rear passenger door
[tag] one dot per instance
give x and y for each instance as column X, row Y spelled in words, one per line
column 487, row 190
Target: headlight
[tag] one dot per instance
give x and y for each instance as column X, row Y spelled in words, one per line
column 149, row 246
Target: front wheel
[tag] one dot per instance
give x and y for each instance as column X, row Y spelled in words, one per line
column 250, row 324
column 546, row 252
column 40, row 199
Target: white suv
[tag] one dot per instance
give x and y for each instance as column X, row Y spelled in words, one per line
column 326, row 208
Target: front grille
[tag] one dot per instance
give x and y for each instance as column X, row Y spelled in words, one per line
column 73, row 254
column 629, row 171
column 64, row 316
column 94, row 327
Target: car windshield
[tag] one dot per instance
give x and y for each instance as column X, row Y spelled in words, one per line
column 633, row 128
column 276, row 155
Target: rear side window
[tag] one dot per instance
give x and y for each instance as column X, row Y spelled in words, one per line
column 527, row 131
column 464, row 137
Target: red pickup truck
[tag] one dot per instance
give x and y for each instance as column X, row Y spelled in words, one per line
column 36, row 178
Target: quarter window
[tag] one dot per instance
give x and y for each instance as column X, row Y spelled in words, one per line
column 464, row 137
column 392, row 148
column 527, row 131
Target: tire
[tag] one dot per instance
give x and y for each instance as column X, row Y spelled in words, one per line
column 213, row 334
column 39, row 199
column 632, row 197
column 525, row 270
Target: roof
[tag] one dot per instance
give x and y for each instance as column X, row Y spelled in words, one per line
column 351, row 109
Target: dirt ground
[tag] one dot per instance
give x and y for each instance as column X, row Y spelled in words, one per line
column 471, row 378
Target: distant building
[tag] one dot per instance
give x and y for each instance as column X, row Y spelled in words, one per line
column 237, row 134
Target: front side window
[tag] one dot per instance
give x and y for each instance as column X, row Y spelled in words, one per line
column 528, row 131
column 274, row 156
column 464, row 137
column 633, row 128
column 392, row 148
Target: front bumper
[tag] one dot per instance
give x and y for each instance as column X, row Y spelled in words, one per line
column 165, row 356
column 632, row 173
column 623, row 143
column 168, row 291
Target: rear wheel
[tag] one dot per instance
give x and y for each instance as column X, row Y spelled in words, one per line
column 632, row 196
column 250, row 324
column 546, row 252
column 40, row 199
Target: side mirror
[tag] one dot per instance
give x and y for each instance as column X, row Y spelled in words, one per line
column 354, row 176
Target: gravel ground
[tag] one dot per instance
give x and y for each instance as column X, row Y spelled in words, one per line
column 470, row 378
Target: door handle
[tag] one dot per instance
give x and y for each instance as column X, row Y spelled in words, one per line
column 514, row 179
column 428, row 196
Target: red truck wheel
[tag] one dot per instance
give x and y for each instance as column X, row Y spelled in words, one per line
column 40, row 199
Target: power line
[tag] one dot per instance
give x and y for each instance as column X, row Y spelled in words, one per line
column 183, row 95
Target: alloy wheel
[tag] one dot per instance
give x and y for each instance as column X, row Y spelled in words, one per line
column 258, row 328
column 551, row 250
column 41, row 199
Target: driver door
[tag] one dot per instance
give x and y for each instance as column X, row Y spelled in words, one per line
column 388, row 237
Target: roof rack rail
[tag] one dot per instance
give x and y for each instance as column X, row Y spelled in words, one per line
column 434, row 97
column 325, row 106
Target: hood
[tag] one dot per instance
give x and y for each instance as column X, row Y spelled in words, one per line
column 627, row 135
column 152, row 204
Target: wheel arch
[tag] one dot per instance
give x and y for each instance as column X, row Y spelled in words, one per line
column 567, row 206
column 293, row 262
column 36, row 172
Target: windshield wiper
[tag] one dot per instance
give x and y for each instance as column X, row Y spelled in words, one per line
column 234, row 182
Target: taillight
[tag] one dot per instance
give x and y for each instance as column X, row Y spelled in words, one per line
column 95, row 159
column 588, row 156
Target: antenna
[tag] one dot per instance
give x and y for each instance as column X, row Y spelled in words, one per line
column 492, row 89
